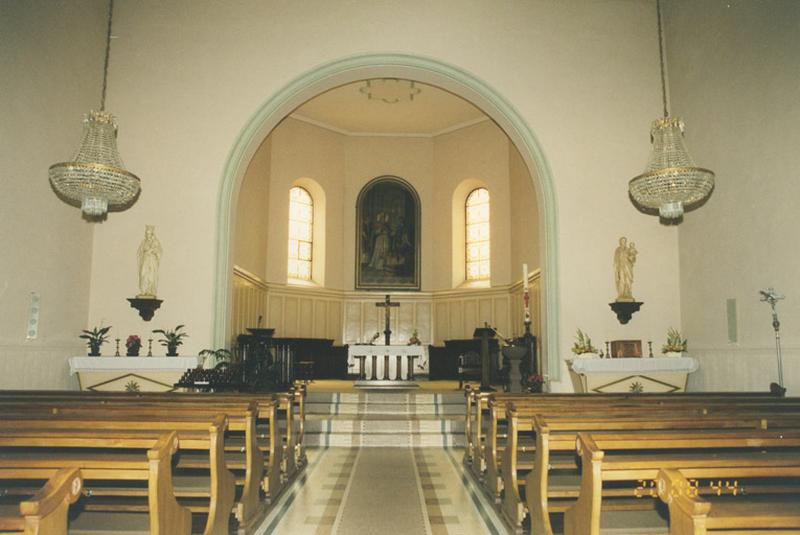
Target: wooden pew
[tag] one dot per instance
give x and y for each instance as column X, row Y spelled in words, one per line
column 201, row 433
column 637, row 458
column 518, row 455
column 491, row 448
column 557, row 435
column 294, row 420
column 44, row 513
column 692, row 514
column 147, row 459
column 477, row 412
column 258, row 469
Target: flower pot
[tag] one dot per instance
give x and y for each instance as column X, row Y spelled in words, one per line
column 673, row 354
column 132, row 352
column 173, row 353
column 587, row 356
column 94, row 353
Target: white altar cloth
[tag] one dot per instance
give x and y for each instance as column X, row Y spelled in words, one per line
column 79, row 364
column 663, row 364
column 132, row 374
column 635, row 375
column 420, row 363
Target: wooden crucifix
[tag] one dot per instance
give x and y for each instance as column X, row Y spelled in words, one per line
column 386, row 304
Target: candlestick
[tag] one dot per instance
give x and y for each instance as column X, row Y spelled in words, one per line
column 525, row 276
column 149, row 347
column 117, row 353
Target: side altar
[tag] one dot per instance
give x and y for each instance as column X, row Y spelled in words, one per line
column 131, row 374
column 636, row 375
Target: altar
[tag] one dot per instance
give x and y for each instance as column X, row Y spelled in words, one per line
column 131, row 374
column 635, row 375
column 392, row 362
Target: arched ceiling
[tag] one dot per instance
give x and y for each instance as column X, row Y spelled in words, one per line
column 389, row 106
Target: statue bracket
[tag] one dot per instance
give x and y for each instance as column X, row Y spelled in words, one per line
column 146, row 306
column 625, row 309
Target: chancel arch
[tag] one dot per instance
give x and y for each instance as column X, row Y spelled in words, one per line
column 438, row 74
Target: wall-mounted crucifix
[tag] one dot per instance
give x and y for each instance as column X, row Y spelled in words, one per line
column 386, row 304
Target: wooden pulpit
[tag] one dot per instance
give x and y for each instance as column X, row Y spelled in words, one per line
column 484, row 334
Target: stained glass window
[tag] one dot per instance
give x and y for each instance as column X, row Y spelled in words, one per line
column 477, row 239
column 301, row 221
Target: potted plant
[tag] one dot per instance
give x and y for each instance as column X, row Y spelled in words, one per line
column 133, row 345
column 171, row 339
column 583, row 347
column 214, row 358
column 533, row 383
column 95, row 338
column 675, row 345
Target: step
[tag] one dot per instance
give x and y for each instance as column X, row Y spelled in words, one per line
column 380, row 424
column 351, row 440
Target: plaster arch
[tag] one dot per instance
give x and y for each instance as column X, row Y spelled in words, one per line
column 428, row 70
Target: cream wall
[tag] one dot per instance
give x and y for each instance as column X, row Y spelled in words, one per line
column 51, row 59
column 251, row 237
column 303, row 151
column 524, row 209
column 477, row 154
column 734, row 70
column 187, row 75
column 410, row 158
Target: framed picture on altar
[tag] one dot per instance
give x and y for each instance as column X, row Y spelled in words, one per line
column 626, row 349
column 388, row 235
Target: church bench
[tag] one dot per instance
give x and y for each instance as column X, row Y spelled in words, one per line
column 555, row 443
column 476, row 403
column 103, row 455
column 633, row 460
column 44, row 513
column 692, row 514
column 246, row 434
column 489, row 425
column 292, row 405
column 201, row 442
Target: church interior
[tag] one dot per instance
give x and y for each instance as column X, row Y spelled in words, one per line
column 399, row 267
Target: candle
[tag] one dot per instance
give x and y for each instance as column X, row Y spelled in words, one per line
column 525, row 276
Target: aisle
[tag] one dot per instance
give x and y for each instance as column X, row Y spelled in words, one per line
column 384, row 491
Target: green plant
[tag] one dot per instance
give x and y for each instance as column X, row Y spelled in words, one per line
column 674, row 343
column 95, row 338
column 217, row 358
column 583, row 344
column 171, row 339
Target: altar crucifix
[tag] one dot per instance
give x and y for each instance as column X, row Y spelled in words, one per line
column 386, row 304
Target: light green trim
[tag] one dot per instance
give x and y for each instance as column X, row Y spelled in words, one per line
column 355, row 68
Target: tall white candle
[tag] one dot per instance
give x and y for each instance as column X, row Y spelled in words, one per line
column 525, row 276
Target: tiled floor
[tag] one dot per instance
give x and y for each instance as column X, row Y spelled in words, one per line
column 383, row 491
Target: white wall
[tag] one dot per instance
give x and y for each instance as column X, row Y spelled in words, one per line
column 187, row 75
column 51, row 60
column 734, row 72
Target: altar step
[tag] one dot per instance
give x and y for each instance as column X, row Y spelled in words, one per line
column 384, row 419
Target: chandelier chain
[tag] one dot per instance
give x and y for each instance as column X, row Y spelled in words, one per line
column 661, row 58
column 108, row 53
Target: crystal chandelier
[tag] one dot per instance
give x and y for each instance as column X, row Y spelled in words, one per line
column 96, row 176
column 670, row 181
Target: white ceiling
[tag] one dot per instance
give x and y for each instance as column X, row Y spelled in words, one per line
column 349, row 110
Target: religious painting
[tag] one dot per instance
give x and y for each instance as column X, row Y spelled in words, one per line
column 387, row 241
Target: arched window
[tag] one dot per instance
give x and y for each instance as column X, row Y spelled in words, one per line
column 477, row 235
column 301, row 221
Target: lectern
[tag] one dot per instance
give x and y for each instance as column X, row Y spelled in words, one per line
column 484, row 334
